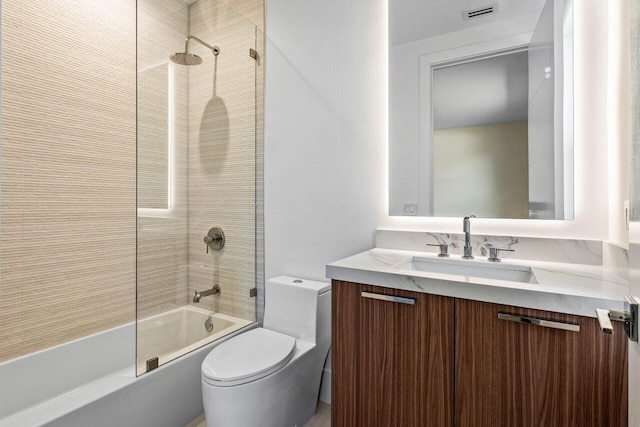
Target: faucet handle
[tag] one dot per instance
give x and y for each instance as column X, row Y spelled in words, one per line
column 444, row 249
column 215, row 239
column 494, row 252
column 207, row 240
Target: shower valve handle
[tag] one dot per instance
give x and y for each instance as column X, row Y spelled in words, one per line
column 215, row 239
column 208, row 240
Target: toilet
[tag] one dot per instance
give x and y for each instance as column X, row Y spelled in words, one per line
column 270, row 376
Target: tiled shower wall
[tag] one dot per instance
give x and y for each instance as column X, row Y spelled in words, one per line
column 217, row 159
column 162, row 234
column 223, row 122
column 68, row 202
column 68, row 185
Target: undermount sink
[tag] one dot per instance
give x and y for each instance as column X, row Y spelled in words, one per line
column 472, row 268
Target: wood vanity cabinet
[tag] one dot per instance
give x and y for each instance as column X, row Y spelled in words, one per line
column 392, row 361
column 452, row 362
column 517, row 374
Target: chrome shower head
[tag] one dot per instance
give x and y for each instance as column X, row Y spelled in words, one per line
column 187, row 58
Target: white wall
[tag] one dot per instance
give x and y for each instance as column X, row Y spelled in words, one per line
column 326, row 148
column 326, row 153
column 325, row 131
column 619, row 119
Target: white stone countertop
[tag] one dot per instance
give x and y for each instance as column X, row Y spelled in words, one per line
column 567, row 288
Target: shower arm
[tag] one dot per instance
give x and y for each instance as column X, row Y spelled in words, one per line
column 214, row 49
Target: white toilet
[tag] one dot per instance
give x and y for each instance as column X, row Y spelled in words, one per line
column 270, row 376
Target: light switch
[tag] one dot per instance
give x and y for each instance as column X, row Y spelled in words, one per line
column 410, row 208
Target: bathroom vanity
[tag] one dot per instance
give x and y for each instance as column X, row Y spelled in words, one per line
column 417, row 345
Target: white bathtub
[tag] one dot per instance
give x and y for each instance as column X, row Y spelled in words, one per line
column 92, row 381
column 177, row 332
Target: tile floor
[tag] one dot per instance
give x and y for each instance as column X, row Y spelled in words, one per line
column 322, row 418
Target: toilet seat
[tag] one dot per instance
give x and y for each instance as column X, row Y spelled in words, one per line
column 247, row 357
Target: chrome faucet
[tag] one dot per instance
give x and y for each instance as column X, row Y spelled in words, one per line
column 213, row 291
column 466, row 229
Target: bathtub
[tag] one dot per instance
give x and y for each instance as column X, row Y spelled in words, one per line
column 92, row 381
column 180, row 331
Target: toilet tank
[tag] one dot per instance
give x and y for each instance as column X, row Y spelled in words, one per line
column 299, row 308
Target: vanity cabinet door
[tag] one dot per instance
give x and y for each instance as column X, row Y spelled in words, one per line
column 517, row 374
column 392, row 360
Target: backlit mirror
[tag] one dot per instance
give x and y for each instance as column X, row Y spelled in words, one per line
column 481, row 108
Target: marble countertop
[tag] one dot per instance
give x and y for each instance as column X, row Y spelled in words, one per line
column 562, row 287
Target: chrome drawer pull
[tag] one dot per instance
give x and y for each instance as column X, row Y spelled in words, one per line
column 390, row 298
column 566, row 326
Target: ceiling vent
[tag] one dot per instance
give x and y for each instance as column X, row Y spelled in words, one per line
column 480, row 12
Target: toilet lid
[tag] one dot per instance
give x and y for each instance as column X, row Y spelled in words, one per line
column 248, row 357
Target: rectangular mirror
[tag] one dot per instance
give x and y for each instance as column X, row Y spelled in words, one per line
column 481, row 108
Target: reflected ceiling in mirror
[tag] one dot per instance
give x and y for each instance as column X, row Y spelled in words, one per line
column 481, row 109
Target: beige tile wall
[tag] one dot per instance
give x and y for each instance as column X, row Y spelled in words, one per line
column 254, row 12
column 162, row 236
column 68, row 171
column 223, row 103
column 224, row 161
column 68, row 202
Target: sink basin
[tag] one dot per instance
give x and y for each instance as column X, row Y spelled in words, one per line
column 472, row 268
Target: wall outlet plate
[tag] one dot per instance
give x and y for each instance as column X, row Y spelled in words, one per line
column 409, row 208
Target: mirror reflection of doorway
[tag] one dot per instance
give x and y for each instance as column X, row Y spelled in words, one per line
column 480, row 136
